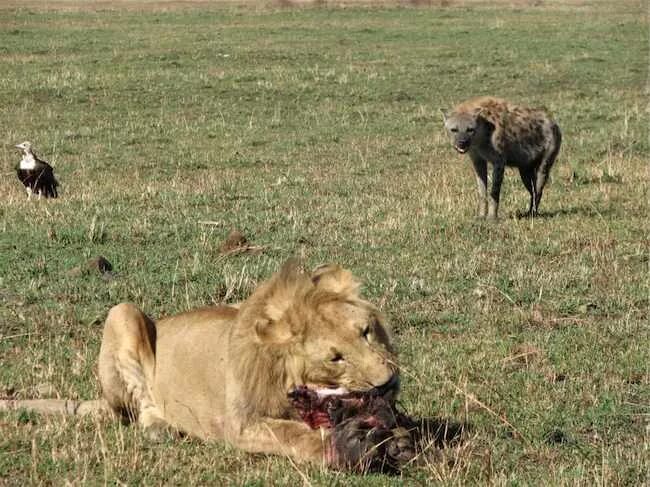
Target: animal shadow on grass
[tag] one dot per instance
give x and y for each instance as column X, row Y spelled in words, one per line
column 430, row 435
column 589, row 212
column 441, row 432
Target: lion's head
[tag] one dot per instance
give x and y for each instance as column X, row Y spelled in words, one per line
column 314, row 330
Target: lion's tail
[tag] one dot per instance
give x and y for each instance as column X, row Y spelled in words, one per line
column 55, row 406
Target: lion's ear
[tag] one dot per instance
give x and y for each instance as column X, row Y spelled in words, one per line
column 274, row 332
column 290, row 271
column 284, row 287
column 333, row 278
column 283, row 291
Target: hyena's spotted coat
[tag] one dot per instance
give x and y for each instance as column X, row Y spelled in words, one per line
column 495, row 130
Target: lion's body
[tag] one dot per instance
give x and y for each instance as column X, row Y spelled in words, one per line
column 497, row 131
column 181, row 343
column 224, row 372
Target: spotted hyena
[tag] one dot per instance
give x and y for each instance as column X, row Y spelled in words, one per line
column 495, row 130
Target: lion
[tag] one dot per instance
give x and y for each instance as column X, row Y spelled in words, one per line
column 225, row 372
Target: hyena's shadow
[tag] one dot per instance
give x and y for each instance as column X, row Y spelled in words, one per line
column 587, row 212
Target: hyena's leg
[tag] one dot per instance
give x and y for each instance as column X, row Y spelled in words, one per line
column 480, row 169
column 544, row 168
column 126, row 364
column 528, row 178
column 541, row 177
column 497, row 178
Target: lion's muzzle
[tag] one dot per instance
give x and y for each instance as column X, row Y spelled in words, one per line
column 389, row 389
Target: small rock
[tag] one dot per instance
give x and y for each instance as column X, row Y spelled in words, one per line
column 557, row 436
column 8, row 392
column 97, row 264
column 587, row 307
column 635, row 378
column 100, row 263
column 523, row 354
column 237, row 243
column 234, row 241
column 304, row 241
column 479, row 292
column 537, row 317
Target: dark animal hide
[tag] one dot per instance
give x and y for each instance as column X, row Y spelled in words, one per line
column 369, row 434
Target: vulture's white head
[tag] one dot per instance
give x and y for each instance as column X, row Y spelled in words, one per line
column 26, row 147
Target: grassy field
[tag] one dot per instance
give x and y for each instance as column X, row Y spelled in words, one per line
column 315, row 131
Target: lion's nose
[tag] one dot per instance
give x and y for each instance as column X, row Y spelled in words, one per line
column 391, row 385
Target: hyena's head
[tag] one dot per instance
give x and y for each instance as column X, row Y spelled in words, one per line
column 462, row 128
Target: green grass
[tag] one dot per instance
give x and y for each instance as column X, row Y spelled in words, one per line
column 316, row 132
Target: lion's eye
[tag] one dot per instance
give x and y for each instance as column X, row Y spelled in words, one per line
column 365, row 332
column 337, row 358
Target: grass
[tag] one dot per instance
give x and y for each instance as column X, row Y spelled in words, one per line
column 316, row 132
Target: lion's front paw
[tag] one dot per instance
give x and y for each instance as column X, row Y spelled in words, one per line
column 160, row 431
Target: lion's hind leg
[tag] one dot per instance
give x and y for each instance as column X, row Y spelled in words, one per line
column 126, row 364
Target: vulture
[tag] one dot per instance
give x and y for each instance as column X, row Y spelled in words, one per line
column 36, row 175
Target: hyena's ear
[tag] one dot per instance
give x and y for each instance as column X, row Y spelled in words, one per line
column 444, row 114
column 335, row 279
column 487, row 115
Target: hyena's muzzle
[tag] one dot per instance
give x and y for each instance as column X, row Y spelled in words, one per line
column 462, row 144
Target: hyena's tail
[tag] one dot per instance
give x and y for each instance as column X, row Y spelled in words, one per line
column 557, row 134
column 548, row 158
column 55, row 406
